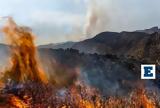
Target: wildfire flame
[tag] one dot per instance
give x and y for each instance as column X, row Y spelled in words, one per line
column 23, row 58
column 18, row 103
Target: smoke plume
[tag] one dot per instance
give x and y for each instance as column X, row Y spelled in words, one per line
column 96, row 18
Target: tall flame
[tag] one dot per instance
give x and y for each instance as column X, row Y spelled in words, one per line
column 23, row 58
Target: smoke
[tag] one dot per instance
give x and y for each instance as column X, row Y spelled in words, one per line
column 96, row 18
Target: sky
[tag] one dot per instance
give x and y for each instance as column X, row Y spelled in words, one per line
column 54, row 21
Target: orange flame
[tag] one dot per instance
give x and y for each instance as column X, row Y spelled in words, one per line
column 24, row 61
column 17, row 103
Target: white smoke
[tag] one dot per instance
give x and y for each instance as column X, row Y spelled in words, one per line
column 96, row 18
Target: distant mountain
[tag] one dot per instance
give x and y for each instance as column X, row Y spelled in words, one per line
column 136, row 44
column 123, row 43
column 150, row 31
column 64, row 45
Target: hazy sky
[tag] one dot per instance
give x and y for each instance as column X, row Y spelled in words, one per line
column 64, row 20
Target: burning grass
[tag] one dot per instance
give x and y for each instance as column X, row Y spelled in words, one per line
column 27, row 86
column 37, row 95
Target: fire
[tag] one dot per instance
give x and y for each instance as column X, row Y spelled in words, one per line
column 30, row 87
column 24, row 62
column 146, row 102
column 18, row 103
